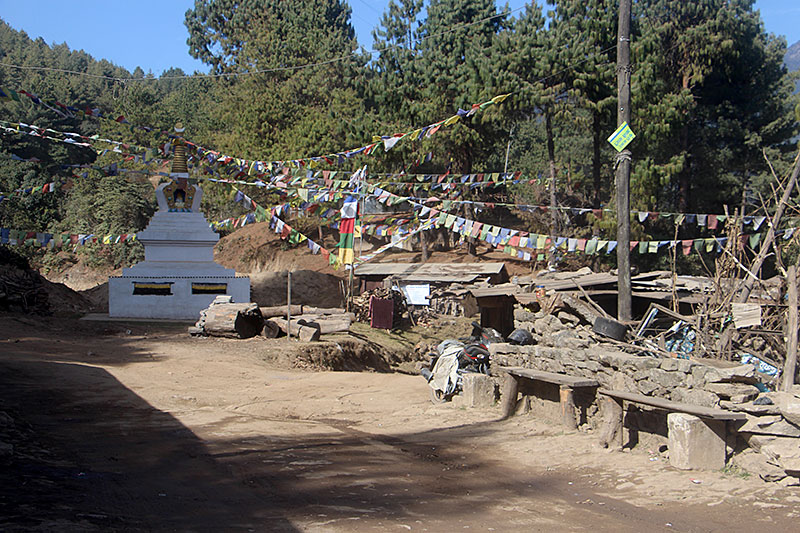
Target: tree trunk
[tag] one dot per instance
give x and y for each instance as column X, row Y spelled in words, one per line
column 280, row 310
column 304, row 333
column 231, row 320
column 684, row 181
column 334, row 324
column 551, row 157
column 597, row 135
column 308, row 310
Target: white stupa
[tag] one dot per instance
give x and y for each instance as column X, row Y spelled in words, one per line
column 178, row 277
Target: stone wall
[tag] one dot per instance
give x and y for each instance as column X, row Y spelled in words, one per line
column 772, row 427
column 572, row 352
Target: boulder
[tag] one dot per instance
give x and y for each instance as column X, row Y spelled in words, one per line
column 781, row 451
column 770, row 425
column 523, row 315
column 647, row 387
column 757, row 464
column 548, row 324
column 694, row 397
column 502, row 348
column 665, row 379
column 611, row 357
column 789, row 406
column 669, row 365
column 643, row 362
column 568, row 319
column 736, row 374
column 737, row 392
column 749, row 407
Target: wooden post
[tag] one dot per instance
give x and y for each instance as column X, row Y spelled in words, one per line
column 567, row 407
column 789, row 365
column 611, row 437
column 510, row 391
column 623, row 173
column 289, row 301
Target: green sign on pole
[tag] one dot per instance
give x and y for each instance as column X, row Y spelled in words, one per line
column 622, row 137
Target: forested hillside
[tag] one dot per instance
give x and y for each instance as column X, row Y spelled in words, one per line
column 792, row 61
column 711, row 98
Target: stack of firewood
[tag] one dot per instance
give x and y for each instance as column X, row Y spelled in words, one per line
column 307, row 322
column 224, row 318
column 360, row 304
column 22, row 290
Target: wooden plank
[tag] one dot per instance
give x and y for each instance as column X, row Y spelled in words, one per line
column 697, row 410
column 550, row 377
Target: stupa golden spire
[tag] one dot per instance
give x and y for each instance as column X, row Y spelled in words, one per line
column 180, row 164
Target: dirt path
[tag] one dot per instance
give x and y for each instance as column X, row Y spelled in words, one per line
column 137, row 428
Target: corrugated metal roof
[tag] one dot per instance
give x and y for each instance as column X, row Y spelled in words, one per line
column 384, row 269
column 442, row 272
column 506, row 289
column 461, row 268
column 439, row 278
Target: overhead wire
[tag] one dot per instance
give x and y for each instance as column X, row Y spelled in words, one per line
column 259, row 71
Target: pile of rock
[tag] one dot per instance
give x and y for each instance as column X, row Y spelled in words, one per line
column 772, row 429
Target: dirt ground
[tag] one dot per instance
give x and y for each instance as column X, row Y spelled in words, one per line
column 137, row 427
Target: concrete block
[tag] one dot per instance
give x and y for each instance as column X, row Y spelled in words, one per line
column 694, row 443
column 478, row 390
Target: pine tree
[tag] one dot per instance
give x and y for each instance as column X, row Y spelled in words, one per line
column 709, row 94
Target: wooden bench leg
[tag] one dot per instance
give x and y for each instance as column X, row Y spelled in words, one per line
column 510, row 392
column 611, row 436
column 567, row 407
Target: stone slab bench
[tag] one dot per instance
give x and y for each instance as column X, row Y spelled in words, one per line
column 567, row 384
column 697, row 435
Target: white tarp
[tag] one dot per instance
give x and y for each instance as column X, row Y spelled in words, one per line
column 417, row 294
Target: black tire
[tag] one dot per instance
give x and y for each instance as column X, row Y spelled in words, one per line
column 610, row 328
column 438, row 397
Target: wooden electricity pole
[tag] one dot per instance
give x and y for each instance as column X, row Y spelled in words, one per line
column 623, row 173
column 790, row 364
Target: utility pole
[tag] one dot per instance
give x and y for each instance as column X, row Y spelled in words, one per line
column 623, row 172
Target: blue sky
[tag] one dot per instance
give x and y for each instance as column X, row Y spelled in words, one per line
column 151, row 34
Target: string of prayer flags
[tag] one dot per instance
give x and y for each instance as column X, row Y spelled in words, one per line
column 349, row 213
column 12, row 237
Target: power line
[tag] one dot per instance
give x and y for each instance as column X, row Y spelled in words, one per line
column 258, row 71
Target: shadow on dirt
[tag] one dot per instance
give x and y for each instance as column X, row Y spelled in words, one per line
column 89, row 454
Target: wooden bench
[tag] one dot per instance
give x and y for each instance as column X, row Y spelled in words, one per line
column 614, row 413
column 567, row 384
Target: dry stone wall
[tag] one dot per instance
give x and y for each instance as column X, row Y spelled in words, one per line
column 674, row 379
